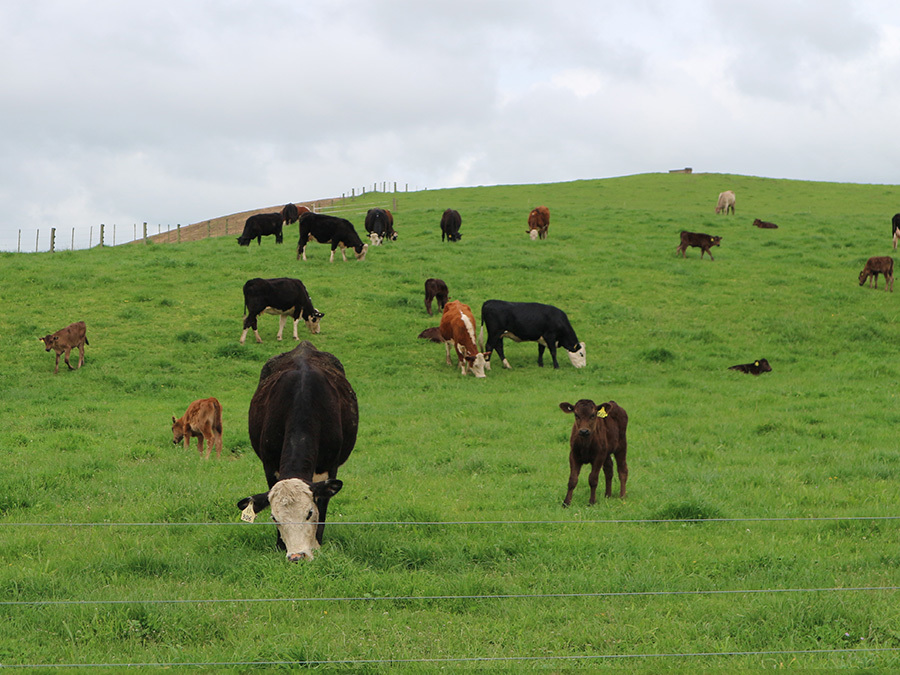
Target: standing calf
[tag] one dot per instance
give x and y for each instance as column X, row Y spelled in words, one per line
column 880, row 264
column 598, row 432
column 435, row 289
column 65, row 340
column 698, row 240
column 202, row 419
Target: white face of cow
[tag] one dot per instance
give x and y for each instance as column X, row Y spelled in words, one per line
column 362, row 254
column 375, row 239
column 478, row 365
column 578, row 358
column 313, row 322
column 297, row 515
column 533, row 234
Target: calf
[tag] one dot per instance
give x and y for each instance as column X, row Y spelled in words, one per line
column 699, row 240
column 876, row 265
column 598, row 433
column 380, row 226
column 457, row 329
column 451, row 221
column 755, row 368
column 725, row 202
column 65, row 340
column 260, row 225
column 203, row 419
column 329, row 229
column 538, row 223
column 435, row 289
column 284, row 297
column 895, row 229
column 765, row 224
column 530, row 322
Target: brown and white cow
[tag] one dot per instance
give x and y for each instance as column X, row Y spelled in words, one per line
column 203, row 419
column 538, row 223
column 698, row 240
column 598, row 435
column 880, row 264
column 65, row 340
column 435, row 289
column 458, row 329
column 725, row 202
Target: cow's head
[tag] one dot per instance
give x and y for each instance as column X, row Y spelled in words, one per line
column 312, row 321
column 49, row 341
column 714, row 241
column 393, row 236
column 586, row 415
column 295, row 508
column 477, row 364
column 361, row 252
column 578, row 356
column 177, row 430
column 862, row 279
column 243, row 241
column 533, row 233
column 375, row 238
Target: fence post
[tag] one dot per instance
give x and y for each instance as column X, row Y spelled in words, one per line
column 179, row 232
column 395, row 203
column 145, row 233
column 73, row 240
column 19, row 244
column 36, row 236
column 102, row 234
column 226, row 226
column 208, row 235
column 114, row 234
column 52, row 240
column 395, row 186
column 91, row 240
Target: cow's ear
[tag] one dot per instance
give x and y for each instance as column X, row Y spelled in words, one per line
column 602, row 411
column 326, row 488
column 567, row 407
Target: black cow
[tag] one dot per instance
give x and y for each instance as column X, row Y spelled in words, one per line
column 755, row 368
column 284, row 297
column 290, row 214
column 303, row 423
column 699, row 240
column 451, row 221
column 435, row 289
column 380, row 226
column 329, row 229
column 531, row 322
column 895, row 228
column 261, row 225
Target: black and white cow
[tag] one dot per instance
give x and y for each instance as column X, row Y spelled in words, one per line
column 380, row 226
column 895, row 228
column 284, row 297
column 530, row 322
column 261, row 225
column 303, row 423
column 451, row 221
column 329, row 229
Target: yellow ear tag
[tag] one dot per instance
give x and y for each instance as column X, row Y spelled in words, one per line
column 756, row 363
column 602, row 413
column 248, row 515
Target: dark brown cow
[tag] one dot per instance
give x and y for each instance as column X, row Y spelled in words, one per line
column 538, row 223
column 598, row 435
column 435, row 289
column 203, row 419
column 755, row 368
column 880, row 264
column 766, row 225
column 451, row 221
column 65, row 340
column 698, row 240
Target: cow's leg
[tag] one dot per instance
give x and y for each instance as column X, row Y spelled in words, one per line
column 56, row 370
column 281, row 319
column 344, row 252
column 428, row 304
column 201, row 436
column 541, row 349
column 622, row 468
column 446, row 344
column 608, row 474
column 499, row 349
column 69, row 350
column 593, row 481
column 296, row 321
column 331, row 259
column 574, row 470
column 243, row 335
column 81, row 355
column 551, row 345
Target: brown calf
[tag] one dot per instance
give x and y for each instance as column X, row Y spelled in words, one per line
column 755, row 368
column 539, row 223
column 765, row 224
column 879, row 264
column 598, row 433
column 65, row 340
column 435, row 289
column 698, row 240
column 202, row 419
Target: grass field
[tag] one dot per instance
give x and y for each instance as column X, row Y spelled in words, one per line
column 760, row 528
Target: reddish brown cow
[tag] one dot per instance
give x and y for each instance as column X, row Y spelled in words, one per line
column 598, row 434
column 766, row 225
column 539, row 223
column 202, row 419
column 458, row 329
column 435, row 289
column 880, row 264
column 65, row 340
column 698, row 240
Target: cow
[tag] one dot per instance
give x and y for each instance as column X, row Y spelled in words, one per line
column 457, row 329
column 725, row 202
column 538, row 223
column 598, row 435
column 699, row 240
column 283, row 296
column 895, row 229
column 435, row 289
column 329, row 229
column 755, row 368
column 64, row 341
column 380, row 226
column 880, row 264
column 303, row 423
column 290, row 214
column 451, row 221
column 261, row 225
column 530, row 322
column 203, row 419
column 765, row 224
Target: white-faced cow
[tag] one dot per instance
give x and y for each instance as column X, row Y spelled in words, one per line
column 895, row 229
column 65, row 340
column 538, row 223
column 303, row 423
column 261, row 225
column 725, row 203
column 203, row 420
column 879, row 264
column 435, row 289
column 380, row 226
column 457, row 330
column 451, row 221
column 530, row 322
column 284, row 297
column 327, row 229
column 598, row 435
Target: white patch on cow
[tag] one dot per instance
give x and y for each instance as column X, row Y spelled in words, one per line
column 578, row 358
column 479, row 365
column 375, row 239
column 281, row 319
column 511, row 336
column 506, row 364
column 362, row 254
column 296, row 515
column 533, row 234
column 331, row 259
column 318, row 477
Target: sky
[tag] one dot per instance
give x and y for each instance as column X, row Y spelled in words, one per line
column 176, row 111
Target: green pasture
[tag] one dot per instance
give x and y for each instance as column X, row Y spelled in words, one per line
column 759, row 529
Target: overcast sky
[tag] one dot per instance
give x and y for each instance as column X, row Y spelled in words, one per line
column 177, row 111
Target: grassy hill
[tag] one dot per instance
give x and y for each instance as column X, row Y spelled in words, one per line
column 794, row 473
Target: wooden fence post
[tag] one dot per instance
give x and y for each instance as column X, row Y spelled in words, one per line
column 52, row 240
column 73, row 240
column 36, row 236
column 179, row 232
column 208, row 235
column 102, row 234
column 91, row 240
column 145, row 233
column 19, row 244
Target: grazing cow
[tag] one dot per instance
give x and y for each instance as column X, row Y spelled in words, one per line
column 380, row 226
column 530, row 322
column 435, row 289
column 65, row 340
column 284, row 297
column 699, row 240
column 303, row 423
column 451, row 221
column 538, row 223
column 597, row 433
column 329, row 229
column 261, row 225
column 880, row 264
column 290, row 214
column 895, row 228
column 203, row 419
column 765, row 224
column 457, row 329
column 725, row 202
column 755, row 368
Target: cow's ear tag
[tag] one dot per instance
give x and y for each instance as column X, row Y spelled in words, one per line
column 248, row 515
column 602, row 413
column 756, row 363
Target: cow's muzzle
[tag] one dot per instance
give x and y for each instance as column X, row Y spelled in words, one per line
column 584, row 432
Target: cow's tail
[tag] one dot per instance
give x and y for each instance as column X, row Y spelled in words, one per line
column 86, row 341
column 217, row 421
